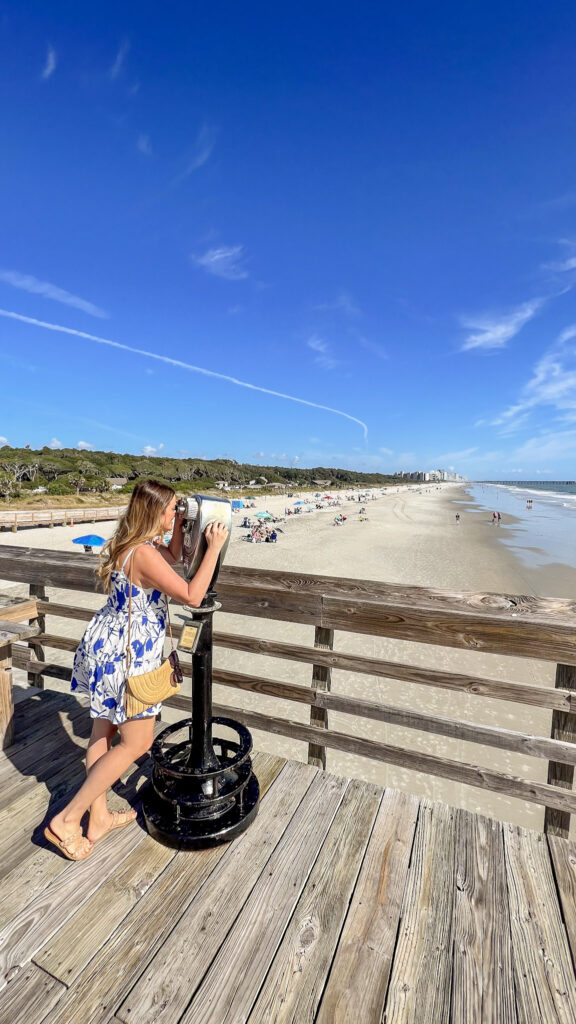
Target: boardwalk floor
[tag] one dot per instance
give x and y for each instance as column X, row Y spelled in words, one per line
column 341, row 903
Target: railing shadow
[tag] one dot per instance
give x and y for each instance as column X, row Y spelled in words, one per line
column 55, row 756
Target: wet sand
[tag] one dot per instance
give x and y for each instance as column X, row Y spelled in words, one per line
column 409, row 537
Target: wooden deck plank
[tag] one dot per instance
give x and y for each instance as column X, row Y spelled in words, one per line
column 61, row 752
column 42, row 733
column 421, row 973
column 74, row 945
column 563, row 854
column 41, row 917
column 543, row 970
column 30, row 996
column 233, row 981
column 16, row 848
column 140, row 935
column 293, row 986
column 483, row 977
column 356, row 988
column 166, row 987
column 21, row 693
column 35, row 864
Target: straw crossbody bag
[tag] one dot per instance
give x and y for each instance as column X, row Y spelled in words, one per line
column 149, row 688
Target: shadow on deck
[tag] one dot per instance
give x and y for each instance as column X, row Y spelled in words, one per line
column 341, row 903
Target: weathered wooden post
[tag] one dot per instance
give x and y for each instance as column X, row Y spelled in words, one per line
column 557, row 822
column 37, row 592
column 10, row 632
column 321, row 680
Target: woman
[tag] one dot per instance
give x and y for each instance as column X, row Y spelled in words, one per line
column 129, row 558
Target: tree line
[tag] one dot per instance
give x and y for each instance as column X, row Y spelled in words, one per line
column 71, row 471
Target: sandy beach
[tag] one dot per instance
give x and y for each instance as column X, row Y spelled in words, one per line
column 409, row 537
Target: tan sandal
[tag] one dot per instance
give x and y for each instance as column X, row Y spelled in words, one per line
column 71, row 852
column 116, row 823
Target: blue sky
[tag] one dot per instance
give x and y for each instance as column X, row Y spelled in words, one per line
column 370, row 209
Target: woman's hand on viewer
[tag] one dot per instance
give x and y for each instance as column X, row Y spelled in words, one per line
column 216, row 535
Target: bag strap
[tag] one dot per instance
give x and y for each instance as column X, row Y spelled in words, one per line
column 128, row 650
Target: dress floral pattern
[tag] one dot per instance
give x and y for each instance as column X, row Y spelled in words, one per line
column 99, row 668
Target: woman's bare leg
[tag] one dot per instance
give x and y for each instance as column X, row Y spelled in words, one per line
column 103, row 732
column 136, row 736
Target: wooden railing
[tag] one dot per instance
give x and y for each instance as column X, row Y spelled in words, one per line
column 14, row 518
column 541, row 629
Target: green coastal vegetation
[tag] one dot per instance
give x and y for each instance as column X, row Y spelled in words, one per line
column 48, row 475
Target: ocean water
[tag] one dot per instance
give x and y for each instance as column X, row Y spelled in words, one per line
column 545, row 533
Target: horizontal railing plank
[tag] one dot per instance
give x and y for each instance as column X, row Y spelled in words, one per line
column 504, row 739
column 522, row 693
column 507, row 624
column 523, row 637
column 430, row 764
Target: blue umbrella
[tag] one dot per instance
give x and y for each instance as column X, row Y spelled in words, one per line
column 91, row 540
column 299, row 502
column 236, row 503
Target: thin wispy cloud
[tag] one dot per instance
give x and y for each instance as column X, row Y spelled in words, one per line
column 371, row 346
column 4, row 441
column 562, row 266
column 50, row 63
column 343, row 303
column 121, row 55
column 144, row 145
column 201, row 152
column 550, row 446
column 85, row 446
column 55, row 444
column 323, row 357
column 225, row 261
column 28, row 283
column 552, row 385
column 489, row 331
column 180, row 364
column 152, row 451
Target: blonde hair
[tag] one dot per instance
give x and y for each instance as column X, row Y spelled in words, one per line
column 141, row 521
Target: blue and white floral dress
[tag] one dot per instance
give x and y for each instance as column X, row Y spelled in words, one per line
column 99, row 668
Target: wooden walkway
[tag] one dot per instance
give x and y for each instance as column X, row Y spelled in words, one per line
column 342, row 903
column 14, row 518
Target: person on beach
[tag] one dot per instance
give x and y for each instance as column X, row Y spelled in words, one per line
column 134, row 559
column 457, row 519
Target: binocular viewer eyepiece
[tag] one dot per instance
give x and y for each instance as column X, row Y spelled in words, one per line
column 197, row 512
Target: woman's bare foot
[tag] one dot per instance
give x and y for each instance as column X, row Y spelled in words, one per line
column 100, row 827
column 67, row 836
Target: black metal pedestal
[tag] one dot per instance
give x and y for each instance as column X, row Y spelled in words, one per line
column 203, row 789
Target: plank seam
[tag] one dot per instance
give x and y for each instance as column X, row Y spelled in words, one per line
column 559, row 899
column 400, row 915
column 289, row 919
column 345, row 916
column 126, row 994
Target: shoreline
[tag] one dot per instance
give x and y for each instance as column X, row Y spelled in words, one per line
column 409, row 537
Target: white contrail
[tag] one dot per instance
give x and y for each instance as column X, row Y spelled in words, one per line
column 179, row 363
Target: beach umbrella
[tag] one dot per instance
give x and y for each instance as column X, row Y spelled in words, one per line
column 236, row 503
column 91, row 540
column 262, row 515
column 299, row 502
